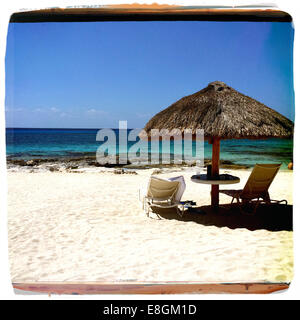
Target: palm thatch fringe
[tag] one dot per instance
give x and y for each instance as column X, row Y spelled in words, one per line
column 224, row 113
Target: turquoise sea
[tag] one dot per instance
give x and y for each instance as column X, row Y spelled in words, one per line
column 29, row 144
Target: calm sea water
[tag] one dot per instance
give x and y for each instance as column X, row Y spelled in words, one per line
column 67, row 143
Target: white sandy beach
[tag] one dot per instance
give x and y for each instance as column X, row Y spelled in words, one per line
column 91, row 227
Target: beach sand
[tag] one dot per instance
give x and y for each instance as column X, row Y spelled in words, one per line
column 91, row 227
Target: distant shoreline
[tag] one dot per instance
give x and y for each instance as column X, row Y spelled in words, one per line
column 89, row 162
column 67, row 148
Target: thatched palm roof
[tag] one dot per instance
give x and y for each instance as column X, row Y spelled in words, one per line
column 224, row 113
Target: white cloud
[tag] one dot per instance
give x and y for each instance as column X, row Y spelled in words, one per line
column 53, row 109
column 13, row 109
column 93, row 111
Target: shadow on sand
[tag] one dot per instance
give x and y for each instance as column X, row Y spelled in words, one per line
column 276, row 217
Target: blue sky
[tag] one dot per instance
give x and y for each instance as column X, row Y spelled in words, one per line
column 92, row 74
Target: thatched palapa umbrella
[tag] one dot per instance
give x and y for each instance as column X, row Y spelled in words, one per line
column 223, row 113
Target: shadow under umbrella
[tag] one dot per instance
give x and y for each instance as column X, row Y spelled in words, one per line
column 275, row 217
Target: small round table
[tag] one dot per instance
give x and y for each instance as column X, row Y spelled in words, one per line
column 220, row 179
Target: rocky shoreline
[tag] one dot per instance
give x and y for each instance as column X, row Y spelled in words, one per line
column 89, row 163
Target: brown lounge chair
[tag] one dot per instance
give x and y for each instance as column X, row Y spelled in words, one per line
column 256, row 188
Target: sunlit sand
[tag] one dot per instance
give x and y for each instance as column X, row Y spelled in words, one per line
column 91, row 227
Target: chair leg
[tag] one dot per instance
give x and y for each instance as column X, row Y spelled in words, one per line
column 256, row 206
column 241, row 202
column 267, row 198
column 180, row 212
column 146, row 208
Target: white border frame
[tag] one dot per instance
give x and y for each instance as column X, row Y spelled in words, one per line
column 6, row 291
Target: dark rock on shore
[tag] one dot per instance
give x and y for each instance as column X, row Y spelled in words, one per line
column 122, row 171
column 71, row 167
column 53, row 169
column 227, row 164
column 90, row 161
column 31, row 162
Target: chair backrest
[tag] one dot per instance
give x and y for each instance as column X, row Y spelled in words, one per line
column 181, row 187
column 260, row 180
column 162, row 189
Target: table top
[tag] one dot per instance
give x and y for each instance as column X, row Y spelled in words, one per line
column 221, row 179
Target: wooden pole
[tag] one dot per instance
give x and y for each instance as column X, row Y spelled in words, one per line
column 215, row 164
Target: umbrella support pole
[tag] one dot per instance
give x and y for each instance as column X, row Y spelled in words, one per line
column 215, row 196
column 215, row 164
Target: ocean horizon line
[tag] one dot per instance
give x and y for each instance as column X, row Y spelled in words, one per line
column 68, row 128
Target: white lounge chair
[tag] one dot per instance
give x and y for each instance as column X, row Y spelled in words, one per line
column 164, row 193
